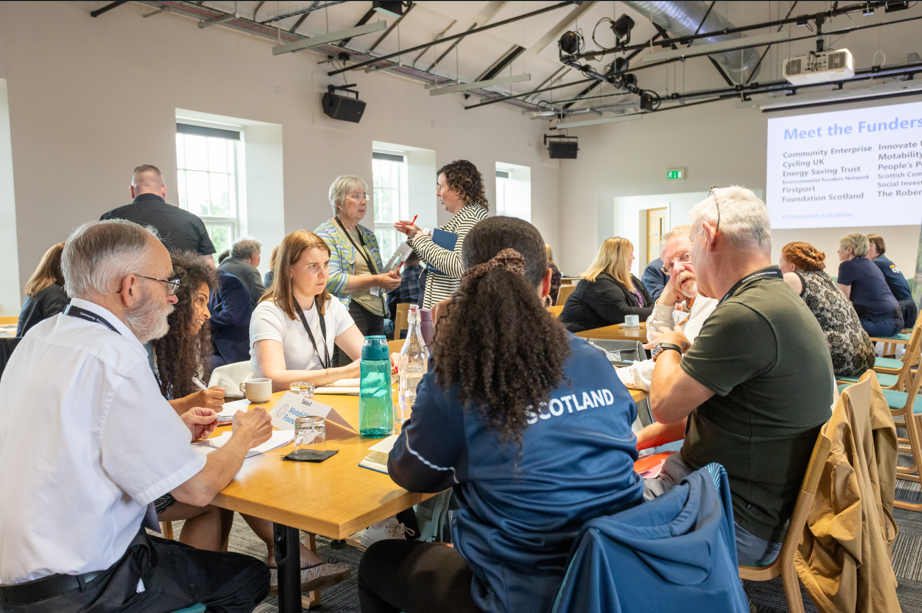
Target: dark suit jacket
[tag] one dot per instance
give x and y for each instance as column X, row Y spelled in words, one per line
column 603, row 302
column 231, row 309
column 247, row 273
column 47, row 303
column 179, row 230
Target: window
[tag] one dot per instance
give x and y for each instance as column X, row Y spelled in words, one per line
column 209, row 163
column 391, row 198
column 513, row 191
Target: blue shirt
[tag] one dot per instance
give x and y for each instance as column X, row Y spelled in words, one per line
column 519, row 514
column 895, row 279
column 870, row 294
column 654, row 279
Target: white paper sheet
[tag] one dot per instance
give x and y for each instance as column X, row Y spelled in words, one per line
column 230, row 408
column 279, row 438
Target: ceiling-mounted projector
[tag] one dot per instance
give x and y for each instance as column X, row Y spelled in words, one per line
column 820, row 67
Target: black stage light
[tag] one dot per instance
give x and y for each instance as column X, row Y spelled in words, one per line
column 569, row 42
column 629, row 80
column 646, row 101
column 619, row 65
column 622, row 27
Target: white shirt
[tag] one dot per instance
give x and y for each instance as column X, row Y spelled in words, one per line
column 639, row 374
column 269, row 322
column 86, row 443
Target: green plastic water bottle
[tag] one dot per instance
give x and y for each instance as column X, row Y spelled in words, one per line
column 376, row 410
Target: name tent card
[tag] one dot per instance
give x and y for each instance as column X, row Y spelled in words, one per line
column 291, row 406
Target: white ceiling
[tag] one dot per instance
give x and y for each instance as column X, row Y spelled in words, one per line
column 478, row 52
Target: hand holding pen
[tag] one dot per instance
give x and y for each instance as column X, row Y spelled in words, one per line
column 210, row 398
column 408, row 227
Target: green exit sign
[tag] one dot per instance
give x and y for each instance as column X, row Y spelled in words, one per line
column 675, row 173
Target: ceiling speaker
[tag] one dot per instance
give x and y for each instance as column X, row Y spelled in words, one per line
column 342, row 107
column 562, row 149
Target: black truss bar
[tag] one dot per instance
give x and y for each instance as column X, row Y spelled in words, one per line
column 546, row 9
column 309, row 9
column 107, row 8
column 452, row 46
column 391, row 27
column 764, row 53
column 502, row 63
column 768, row 24
column 536, row 91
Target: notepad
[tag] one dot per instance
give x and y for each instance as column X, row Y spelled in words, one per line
column 377, row 459
column 229, row 409
column 279, row 438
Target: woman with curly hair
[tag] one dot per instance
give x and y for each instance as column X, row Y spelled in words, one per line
column 460, row 190
column 849, row 345
column 185, row 352
column 529, row 424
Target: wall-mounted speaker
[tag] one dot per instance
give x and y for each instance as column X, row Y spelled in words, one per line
column 342, row 107
column 562, row 149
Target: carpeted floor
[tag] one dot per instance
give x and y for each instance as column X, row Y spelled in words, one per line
column 767, row 596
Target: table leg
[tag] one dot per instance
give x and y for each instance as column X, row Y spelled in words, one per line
column 288, row 558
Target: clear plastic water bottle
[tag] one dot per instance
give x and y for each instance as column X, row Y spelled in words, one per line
column 376, row 408
column 413, row 364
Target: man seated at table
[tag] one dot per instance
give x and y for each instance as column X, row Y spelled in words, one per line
column 681, row 290
column 756, row 386
column 88, row 443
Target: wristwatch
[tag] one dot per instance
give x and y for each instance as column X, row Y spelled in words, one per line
column 672, row 346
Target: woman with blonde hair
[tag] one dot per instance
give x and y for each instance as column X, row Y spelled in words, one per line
column 45, row 295
column 608, row 291
column 850, row 347
column 297, row 322
column 864, row 284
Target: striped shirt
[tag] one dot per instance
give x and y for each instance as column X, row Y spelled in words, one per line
column 442, row 286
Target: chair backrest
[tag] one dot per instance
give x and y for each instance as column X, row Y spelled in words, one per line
column 802, row 507
column 555, row 310
column 396, row 345
column 565, row 291
column 400, row 322
column 7, row 346
column 910, row 358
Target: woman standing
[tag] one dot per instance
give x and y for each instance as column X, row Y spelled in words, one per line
column 297, row 324
column 608, row 291
column 460, row 190
column 45, row 295
column 490, row 421
column 895, row 279
column 863, row 283
column 849, row 345
column 356, row 276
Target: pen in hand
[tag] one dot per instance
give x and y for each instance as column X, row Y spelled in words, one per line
column 199, row 384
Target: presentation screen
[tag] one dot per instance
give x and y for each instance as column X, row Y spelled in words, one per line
column 846, row 168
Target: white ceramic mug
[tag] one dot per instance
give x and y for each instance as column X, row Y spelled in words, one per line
column 632, row 320
column 257, row 390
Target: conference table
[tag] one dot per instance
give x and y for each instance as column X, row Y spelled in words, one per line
column 335, row 498
column 617, row 332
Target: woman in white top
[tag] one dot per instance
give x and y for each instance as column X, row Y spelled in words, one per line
column 296, row 323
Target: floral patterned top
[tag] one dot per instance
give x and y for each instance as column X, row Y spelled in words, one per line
column 850, row 346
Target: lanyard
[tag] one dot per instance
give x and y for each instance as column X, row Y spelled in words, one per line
column 75, row 311
column 324, row 361
column 771, row 272
column 360, row 250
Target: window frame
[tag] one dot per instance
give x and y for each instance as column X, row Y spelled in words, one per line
column 402, row 196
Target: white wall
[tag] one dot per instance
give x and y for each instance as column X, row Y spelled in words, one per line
column 718, row 144
column 9, row 274
column 90, row 99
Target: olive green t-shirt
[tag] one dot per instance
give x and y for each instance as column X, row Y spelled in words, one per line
column 765, row 357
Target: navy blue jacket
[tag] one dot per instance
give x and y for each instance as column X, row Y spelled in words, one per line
column 674, row 553
column 231, row 309
column 519, row 516
column 654, row 279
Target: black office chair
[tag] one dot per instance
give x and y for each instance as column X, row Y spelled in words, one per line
column 7, row 346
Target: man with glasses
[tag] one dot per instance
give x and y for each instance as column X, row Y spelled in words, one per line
column 757, row 385
column 679, row 307
column 88, row 443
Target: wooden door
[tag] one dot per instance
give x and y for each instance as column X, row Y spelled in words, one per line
column 656, row 227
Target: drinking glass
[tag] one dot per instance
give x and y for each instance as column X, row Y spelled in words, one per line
column 302, row 388
column 310, row 437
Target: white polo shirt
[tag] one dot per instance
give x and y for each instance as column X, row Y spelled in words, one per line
column 87, row 441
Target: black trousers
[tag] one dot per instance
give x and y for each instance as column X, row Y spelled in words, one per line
column 175, row 576
column 368, row 324
column 414, row 577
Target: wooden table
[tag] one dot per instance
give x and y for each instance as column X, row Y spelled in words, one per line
column 335, row 498
column 617, row 332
